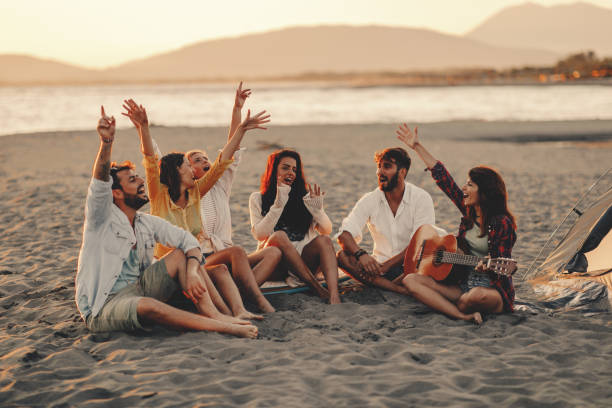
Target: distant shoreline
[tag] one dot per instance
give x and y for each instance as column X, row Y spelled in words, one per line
column 340, row 80
column 570, row 131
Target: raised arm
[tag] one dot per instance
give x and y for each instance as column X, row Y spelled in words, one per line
column 442, row 177
column 106, row 131
column 411, row 139
column 241, row 96
column 138, row 116
column 255, row 122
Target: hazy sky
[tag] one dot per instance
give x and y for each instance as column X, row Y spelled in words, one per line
column 108, row 32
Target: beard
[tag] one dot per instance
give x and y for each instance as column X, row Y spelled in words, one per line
column 391, row 184
column 134, row 201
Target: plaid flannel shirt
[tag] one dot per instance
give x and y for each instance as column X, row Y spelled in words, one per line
column 501, row 233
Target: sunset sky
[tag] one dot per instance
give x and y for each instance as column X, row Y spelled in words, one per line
column 105, row 33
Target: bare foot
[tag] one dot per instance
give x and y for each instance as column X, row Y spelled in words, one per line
column 474, row 317
column 245, row 314
column 232, row 319
column 334, row 299
column 248, row 332
column 321, row 291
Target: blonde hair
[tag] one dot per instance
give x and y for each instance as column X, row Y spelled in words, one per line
column 192, row 152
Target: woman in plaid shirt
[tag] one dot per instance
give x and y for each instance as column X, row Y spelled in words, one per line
column 487, row 228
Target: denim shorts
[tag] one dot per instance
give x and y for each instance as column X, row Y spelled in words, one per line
column 120, row 312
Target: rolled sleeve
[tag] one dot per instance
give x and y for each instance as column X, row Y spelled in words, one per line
column 98, row 203
column 152, row 175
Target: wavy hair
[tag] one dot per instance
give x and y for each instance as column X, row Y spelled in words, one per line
column 295, row 215
column 169, row 174
column 492, row 197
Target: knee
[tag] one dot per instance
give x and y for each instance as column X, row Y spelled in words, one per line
column 475, row 297
column 217, row 270
column 149, row 307
column 279, row 239
column 273, row 254
column 324, row 241
column 237, row 251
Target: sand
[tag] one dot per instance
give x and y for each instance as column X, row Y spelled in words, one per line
column 376, row 349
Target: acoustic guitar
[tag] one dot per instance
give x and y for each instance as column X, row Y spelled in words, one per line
column 434, row 255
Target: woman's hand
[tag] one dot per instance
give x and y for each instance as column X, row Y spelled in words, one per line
column 106, row 127
column 256, row 121
column 282, row 194
column 241, row 96
column 315, row 196
column 409, row 137
column 136, row 113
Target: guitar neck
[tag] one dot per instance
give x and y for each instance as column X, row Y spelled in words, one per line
column 460, row 259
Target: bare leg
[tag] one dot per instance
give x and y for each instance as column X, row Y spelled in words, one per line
column 152, row 310
column 264, row 262
column 223, row 280
column 241, row 271
column 295, row 262
column 176, row 264
column 438, row 296
column 481, row 299
column 320, row 253
column 215, row 296
column 350, row 266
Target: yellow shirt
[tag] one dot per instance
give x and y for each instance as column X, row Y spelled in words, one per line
column 187, row 218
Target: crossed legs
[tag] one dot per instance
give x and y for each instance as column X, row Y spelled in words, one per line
column 449, row 299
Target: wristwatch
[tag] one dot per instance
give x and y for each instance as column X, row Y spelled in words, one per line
column 358, row 253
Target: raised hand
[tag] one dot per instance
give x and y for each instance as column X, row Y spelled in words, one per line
column 256, row 121
column 241, row 96
column 314, row 190
column 136, row 113
column 106, row 127
column 411, row 138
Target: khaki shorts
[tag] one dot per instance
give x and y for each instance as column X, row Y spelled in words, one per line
column 120, row 312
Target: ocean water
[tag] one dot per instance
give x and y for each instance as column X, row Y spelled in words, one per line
column 50, row 108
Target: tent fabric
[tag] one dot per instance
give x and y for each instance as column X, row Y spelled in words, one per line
column 592, row 289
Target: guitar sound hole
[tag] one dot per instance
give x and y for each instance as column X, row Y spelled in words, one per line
column 437, row 260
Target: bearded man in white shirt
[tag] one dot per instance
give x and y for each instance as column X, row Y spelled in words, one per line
column 392, row 213
column 118, row 286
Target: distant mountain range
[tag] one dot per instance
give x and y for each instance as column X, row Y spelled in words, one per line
column 523, row 35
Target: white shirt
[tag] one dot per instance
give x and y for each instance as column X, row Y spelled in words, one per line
column 108, row 238
column 215, row 209
column 391, row 234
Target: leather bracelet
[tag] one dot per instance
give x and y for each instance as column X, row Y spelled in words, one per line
column 359, row 253
column 194, row 257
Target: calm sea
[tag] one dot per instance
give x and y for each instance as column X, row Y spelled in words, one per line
column 48, row 108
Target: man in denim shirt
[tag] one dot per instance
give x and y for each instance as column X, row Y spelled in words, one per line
column 118, row 286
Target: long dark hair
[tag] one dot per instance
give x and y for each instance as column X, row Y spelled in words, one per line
column 492, row 197
column 169, row 174
column 295, row 215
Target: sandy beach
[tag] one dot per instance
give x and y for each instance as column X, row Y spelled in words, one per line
column 376, row 349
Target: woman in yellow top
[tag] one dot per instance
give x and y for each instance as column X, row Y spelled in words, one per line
column 175, row 196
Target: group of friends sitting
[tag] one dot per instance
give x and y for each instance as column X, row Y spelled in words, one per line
column 131, row 263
